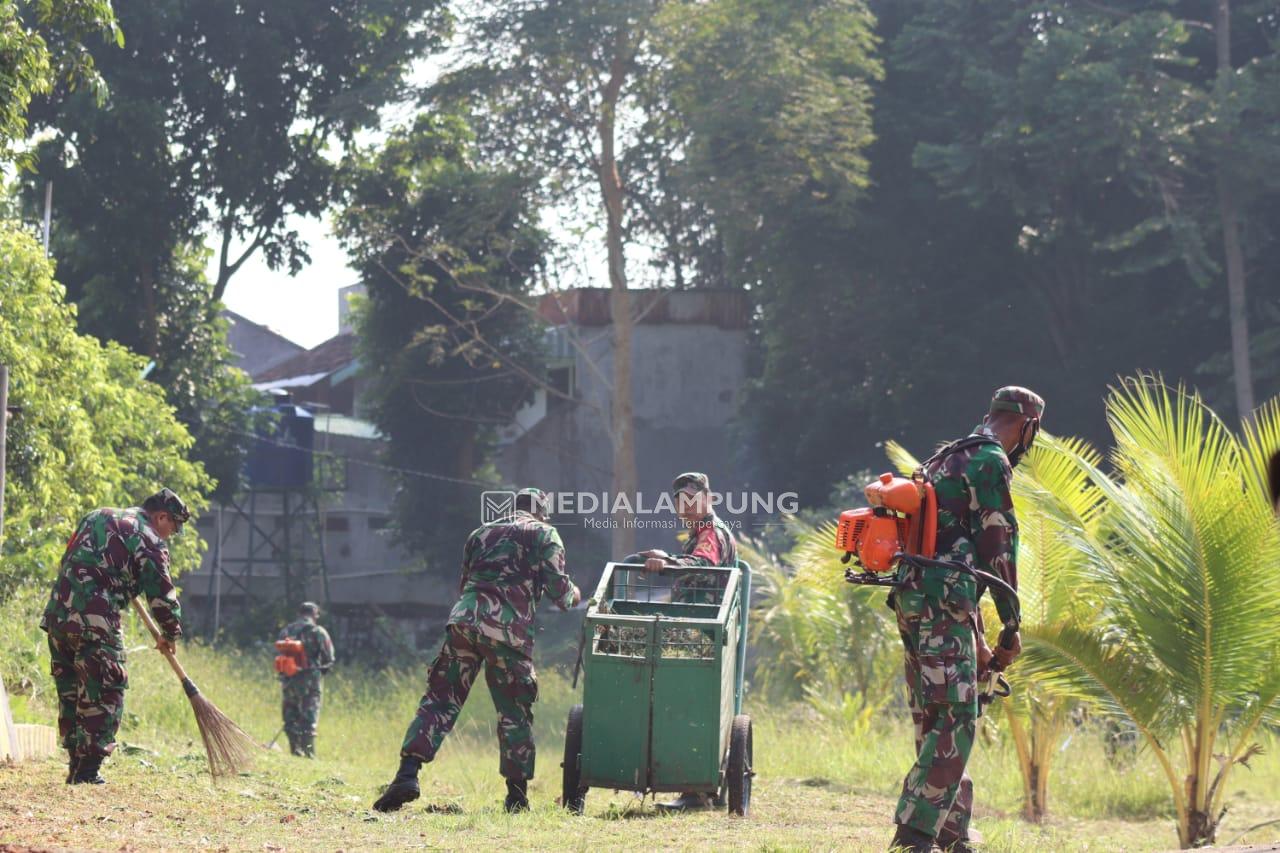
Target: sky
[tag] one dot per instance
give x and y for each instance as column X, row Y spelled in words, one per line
column 303, row 308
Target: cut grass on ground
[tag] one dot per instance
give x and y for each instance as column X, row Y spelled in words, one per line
column 817, row 788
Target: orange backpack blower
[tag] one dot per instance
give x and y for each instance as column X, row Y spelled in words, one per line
column 902, row 519
column 292, row 657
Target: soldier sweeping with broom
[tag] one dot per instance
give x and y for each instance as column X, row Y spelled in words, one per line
column 114, row 555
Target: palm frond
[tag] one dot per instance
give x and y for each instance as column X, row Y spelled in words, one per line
column 1261, row 439
column 1095, row 665
column 900, row 457
column 1193, row 589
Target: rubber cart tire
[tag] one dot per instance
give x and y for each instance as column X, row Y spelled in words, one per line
column 573, row 795
column 738, row 770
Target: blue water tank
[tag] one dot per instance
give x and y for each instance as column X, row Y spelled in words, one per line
column 280, row 457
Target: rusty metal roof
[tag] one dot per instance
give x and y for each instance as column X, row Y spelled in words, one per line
column 590, row 306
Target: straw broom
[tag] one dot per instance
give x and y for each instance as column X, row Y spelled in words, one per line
column 229, row 748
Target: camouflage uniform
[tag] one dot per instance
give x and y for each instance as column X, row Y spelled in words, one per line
column 507, row 567
column 302, row 691
column 113, row 556
column 937, row 613
column 710, row 543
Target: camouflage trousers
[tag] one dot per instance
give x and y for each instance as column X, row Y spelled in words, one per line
column 934, row 609
column 90, row 679
column 301, row 705
column 513, row 684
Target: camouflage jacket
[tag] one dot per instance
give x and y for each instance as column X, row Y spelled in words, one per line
column 710, row 543
column 507, row 567
column 113, row 556
column 976, row 525
column 315, row 642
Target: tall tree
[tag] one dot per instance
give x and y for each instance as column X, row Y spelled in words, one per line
column 555, row 81
column 448, row 249
column 220, row 119
column 40, row 44
column 1125, row 138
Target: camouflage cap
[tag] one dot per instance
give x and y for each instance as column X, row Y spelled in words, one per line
column 691, row 478
column 166, row 501
column 1014, row 398
column 538, row 501
column 308, row 608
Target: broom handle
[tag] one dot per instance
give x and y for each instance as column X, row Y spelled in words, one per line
column 155, row 632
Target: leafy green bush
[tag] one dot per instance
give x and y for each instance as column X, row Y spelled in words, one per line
column 92, row 432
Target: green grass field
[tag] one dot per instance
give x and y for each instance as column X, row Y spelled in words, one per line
column 817, row 788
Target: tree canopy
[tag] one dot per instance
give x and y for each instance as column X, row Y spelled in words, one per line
column 449, row 249
column 91, row 432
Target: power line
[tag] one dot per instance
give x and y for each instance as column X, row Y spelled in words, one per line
column 366, row 463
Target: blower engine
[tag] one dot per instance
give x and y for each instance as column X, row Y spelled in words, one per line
column 292, row 657
column 902, row 519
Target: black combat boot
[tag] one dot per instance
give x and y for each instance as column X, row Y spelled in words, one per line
column 517, row 796
column 403, row 789
column 73, row 761
column 689, row 801
column 87, row 771
column 307, row 746
column 911, row 840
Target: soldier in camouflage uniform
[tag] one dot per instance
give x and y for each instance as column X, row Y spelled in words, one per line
column 710, row 542
column 114, row 556
column 303, row 689
column 507, row 568
column 941, row 625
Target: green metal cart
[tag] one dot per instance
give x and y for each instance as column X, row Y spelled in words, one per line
column 663, row 658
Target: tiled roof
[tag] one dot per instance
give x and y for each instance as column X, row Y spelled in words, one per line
column 329, row 357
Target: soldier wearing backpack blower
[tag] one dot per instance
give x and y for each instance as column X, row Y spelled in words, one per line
column 305, row 655
column 941, row 624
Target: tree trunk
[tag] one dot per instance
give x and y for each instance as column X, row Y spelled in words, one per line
column 611, row 189
column 1230, row 214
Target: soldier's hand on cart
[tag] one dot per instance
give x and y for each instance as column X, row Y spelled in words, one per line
column 655, row 560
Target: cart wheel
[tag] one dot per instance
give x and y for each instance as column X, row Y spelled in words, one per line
column 573, row 795
column 738, row 771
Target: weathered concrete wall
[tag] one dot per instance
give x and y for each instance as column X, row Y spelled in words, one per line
column 687, row 381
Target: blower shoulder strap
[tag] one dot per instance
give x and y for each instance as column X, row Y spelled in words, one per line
column 956, row 446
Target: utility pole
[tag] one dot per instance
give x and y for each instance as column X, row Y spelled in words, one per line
column 48, row 214
column 4, row 424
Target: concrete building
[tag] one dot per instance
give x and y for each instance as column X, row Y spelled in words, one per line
column 319, row 532
column 689, row 367
column 256, row 346
column 330, row 541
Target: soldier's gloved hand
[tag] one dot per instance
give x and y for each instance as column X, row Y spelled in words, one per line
column 1008, row 649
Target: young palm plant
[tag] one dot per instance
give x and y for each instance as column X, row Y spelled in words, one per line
column 1183, row 555
column 816, row 637
column 1051, row 495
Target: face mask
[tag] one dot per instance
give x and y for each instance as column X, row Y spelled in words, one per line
column 1030, row 429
